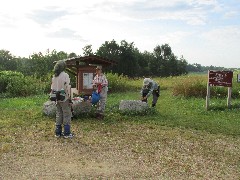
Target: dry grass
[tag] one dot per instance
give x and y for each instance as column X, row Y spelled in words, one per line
column 121, row 150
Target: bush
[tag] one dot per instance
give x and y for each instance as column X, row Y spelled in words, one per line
column 15, row 84
column 119, row 83
column 6, row 77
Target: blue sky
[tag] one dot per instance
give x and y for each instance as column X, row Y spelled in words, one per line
column 206, row 32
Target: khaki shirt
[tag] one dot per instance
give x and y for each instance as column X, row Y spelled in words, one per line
column 62, row 82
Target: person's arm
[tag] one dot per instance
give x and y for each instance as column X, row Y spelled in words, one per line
column 67, row 86
column 151, row 90
column 104, row 81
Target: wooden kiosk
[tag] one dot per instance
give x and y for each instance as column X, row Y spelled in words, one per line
column 84, row 69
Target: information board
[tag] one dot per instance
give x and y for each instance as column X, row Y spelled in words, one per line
column 220, row 78
column 87, row 80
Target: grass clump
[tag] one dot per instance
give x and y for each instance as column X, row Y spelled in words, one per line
column 196, row 86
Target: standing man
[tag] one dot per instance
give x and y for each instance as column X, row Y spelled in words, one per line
column 150, row 87
column 61, row 86
column 101, row 83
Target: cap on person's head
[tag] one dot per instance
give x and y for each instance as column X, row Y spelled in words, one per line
column 146, row 81
column 99, row 67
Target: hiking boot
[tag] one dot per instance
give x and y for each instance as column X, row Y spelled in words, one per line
column 99, row 116
column 58, row 135
column 67, row 136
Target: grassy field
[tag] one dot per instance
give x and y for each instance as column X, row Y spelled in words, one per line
column 180, row 140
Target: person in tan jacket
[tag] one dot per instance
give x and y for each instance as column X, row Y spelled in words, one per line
column 61, row 86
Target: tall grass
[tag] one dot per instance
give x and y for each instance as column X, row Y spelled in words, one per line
column 196, row 86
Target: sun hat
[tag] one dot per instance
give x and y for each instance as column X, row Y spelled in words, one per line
column 146, row 81
column 99, row 67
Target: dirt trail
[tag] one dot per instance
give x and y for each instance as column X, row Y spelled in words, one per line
column 134, row 152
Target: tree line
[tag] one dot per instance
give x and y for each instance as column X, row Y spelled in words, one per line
column 131, row 62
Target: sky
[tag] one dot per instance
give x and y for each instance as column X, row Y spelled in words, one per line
column 206, row 32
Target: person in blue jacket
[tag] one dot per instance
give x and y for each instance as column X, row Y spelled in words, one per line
column 150, row 87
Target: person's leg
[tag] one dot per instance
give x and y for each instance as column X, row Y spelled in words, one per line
column 102, row 103
column 67, row 115
column 155, row 99
column 59, row 120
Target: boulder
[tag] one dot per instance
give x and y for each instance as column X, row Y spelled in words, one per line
column 49, row 108
column 79, row 106
column 133, row 105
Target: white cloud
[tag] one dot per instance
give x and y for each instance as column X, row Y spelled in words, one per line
column 190, row 27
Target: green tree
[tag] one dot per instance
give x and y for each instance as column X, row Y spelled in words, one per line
column 87, row 50
column 128, row 64
column 110, row 50
column 7, row 61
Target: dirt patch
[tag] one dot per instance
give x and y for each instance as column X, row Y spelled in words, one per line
column 122, row 151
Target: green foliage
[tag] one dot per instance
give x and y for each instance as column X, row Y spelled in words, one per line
column 162, row 62
column 6, row 77
column 119, row 83
column 15, row 84
column 7, row 61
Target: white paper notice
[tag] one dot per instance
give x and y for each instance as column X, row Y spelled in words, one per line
column 87, row 80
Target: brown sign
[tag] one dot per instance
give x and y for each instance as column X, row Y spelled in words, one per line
column 220, row 78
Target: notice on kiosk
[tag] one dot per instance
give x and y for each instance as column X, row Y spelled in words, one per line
column 87, row 80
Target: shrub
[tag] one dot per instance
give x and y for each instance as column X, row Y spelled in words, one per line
column 6, row 77
column 119, row 83
column 15, row 84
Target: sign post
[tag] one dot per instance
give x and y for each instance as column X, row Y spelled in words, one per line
column 238, row 77
column 219, row 78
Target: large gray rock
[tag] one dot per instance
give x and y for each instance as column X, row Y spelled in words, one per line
column 132, row 105
column 79, row 106
column 49, row 108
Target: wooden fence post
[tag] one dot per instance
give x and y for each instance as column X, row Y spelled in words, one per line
column 208, row 97
column 229, row 97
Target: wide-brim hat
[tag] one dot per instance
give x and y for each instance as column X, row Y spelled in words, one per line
column 99, row 67
column 146, row 81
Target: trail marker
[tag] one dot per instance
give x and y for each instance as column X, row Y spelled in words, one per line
column 219, row 78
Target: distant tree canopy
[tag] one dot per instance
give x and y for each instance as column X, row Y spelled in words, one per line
column 131, row 62
column 199, row 68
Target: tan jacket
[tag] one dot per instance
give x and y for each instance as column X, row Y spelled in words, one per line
column 62, row 82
